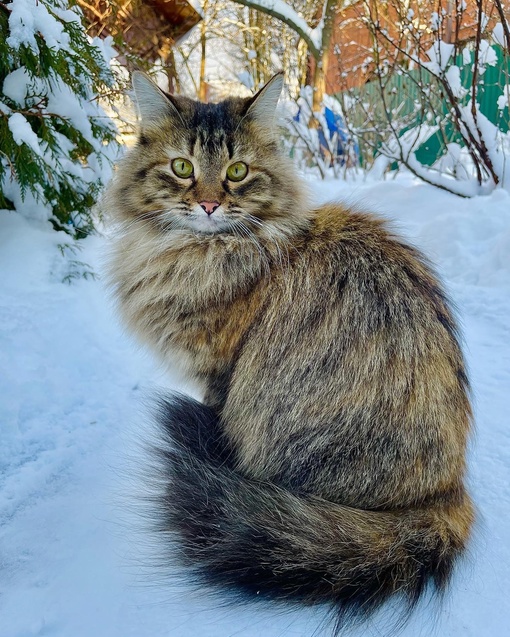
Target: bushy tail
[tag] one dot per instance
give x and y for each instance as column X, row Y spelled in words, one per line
column 255, row 537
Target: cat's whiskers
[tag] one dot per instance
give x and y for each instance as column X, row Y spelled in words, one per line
column 124, row 225
column 254, row 220
column 251, row 236
column 272, row 237
column 281, row 253
column 138, row 219
column 167, row 220
column 156, row 240
column 242, row 231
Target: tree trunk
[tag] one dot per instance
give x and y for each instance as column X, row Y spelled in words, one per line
column 320, row 77
column 202, row 87
column 171, row 73
column 320, row 54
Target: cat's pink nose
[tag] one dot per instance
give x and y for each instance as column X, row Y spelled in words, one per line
column 209, row 206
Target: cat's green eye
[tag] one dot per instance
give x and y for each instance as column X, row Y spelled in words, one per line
column 237, row 171
column 182, row 167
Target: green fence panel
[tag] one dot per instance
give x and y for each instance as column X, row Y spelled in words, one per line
column 401, row 95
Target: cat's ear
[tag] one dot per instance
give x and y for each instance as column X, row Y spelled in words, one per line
column 153, row 104
column 262, row 106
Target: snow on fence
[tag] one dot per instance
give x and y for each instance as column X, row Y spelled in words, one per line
column 448, row 123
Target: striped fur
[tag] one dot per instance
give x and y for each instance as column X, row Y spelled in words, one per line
column 327, row 461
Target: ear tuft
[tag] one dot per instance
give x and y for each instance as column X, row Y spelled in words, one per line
column 151, row 101
column 262, row 106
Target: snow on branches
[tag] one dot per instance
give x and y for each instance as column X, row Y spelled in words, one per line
column 57, row 141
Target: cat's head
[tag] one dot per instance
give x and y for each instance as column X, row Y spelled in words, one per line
column 209, row 169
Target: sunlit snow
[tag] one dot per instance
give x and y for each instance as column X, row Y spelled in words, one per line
column 75, row 548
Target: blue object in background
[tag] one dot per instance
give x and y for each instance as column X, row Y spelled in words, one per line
column 335, row 124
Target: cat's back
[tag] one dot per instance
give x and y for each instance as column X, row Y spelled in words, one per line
column 353, row 260
column 360, row 318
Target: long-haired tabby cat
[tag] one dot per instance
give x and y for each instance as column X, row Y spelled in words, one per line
column 326, row 462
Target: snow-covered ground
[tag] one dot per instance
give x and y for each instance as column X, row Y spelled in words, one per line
column 73, row 429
